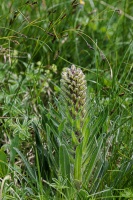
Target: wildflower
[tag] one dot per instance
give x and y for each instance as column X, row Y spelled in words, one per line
column 73, row 88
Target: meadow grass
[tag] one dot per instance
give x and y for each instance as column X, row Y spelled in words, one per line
column 40, row 157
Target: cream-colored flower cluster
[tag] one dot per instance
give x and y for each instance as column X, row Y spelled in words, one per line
column 73, row 86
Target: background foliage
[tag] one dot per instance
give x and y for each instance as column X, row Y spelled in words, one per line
column 37, row 40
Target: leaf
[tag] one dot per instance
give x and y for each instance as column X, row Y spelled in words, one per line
column 86, row 134
column 127, row 193
column 100, row 121
column 3, row 164
column 30, row 170
column 92, row 160
column 64, row 162
column 41, row 153
column 74, row 139
column 14, row 143
column 52, row 145
column 82, row 194
column 85, row 126
column 61, row 126
column 78, row 163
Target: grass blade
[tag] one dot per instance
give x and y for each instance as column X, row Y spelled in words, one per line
column 30, row 170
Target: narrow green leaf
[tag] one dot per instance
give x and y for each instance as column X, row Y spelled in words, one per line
column 100, row 121
column 88, row 151
column 48, row 129
column 41, row 153
column 61, row 126
column 74, row 139
column 78, row 163
column 52, row 144
column 30, row 170
column 85, row 126
column 64, row 162
column 91, row 165
column 14, row 143
column 3, row 163
column 86, row 134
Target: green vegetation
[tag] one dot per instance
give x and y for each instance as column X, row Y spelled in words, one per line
column 66, row 100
